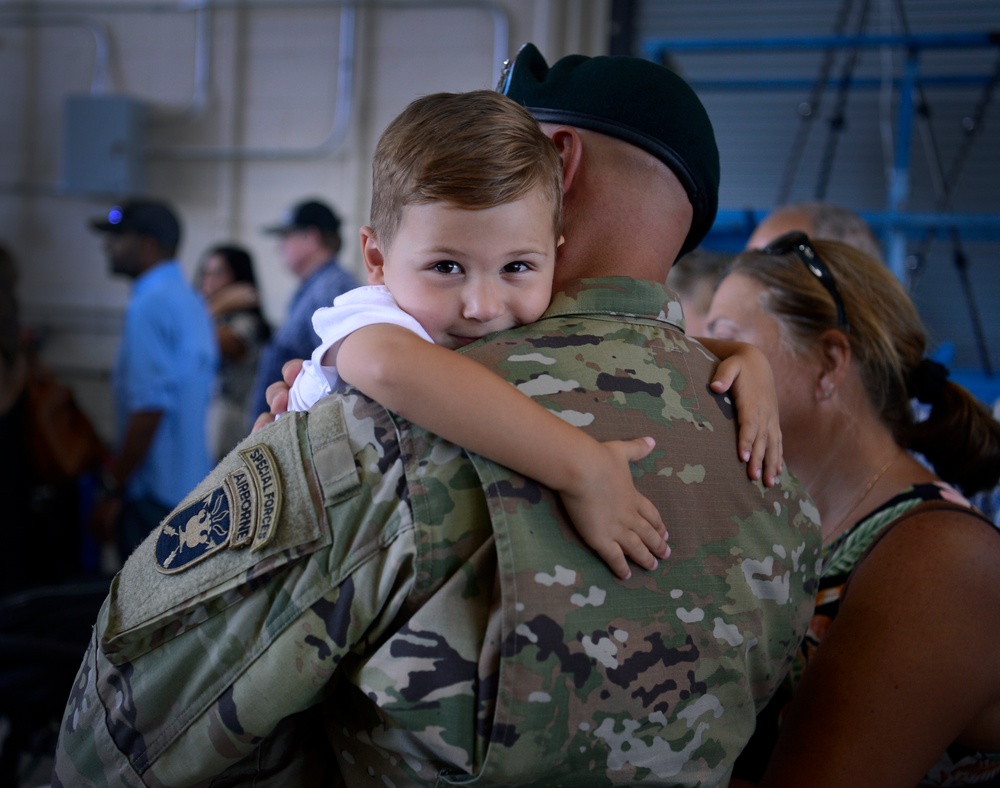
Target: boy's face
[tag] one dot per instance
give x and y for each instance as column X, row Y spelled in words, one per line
column 464, row 273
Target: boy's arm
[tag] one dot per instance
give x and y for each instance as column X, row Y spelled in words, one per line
column 461, row 400
column 744, row 370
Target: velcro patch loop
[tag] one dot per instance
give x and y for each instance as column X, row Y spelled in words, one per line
column 332, row 456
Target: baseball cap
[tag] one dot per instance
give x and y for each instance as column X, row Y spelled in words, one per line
column 145, row 217
column 311, row 213
column 635, row 100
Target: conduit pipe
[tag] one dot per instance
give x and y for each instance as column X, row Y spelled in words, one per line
column 330, row 144
column 203, row 57
column 99, row 83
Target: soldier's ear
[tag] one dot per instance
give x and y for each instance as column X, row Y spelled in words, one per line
column 373, row 257
column 569, row 144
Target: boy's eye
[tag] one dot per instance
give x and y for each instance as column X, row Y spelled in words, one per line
column 517, row 267
column 448, row 267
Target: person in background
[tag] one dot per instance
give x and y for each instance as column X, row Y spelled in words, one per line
column 896, row 683
column 49, row 450
column 226, row 279
column 818, row 220
column 16, row 473
column 13, row 364
column 163, row 377
column 13, row 381
column 310, row 242
column 371, row 604
column 47, row 600
column 694, row 277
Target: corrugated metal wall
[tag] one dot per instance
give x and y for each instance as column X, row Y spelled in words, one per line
column 757, row 127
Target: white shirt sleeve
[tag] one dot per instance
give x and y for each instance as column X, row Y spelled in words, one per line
column 363, row 306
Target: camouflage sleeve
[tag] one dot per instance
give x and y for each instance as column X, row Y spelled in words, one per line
column 237, row 613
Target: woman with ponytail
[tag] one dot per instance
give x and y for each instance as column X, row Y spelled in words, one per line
column 898, row 680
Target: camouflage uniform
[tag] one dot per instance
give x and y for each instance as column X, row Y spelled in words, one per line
column 348, row 599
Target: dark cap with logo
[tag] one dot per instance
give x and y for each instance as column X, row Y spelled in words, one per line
column 144, row 217
column 634, row 100
column 311, row 213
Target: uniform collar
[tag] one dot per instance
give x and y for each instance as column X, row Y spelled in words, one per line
column 618, row 295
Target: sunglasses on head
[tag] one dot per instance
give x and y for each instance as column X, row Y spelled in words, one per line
column 799, row 243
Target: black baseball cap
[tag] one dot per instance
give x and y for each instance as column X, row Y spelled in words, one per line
column 311, row 213
column 635, row 100
column 145, row 217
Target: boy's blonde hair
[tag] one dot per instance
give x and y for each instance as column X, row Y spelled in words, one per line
column 472, row 150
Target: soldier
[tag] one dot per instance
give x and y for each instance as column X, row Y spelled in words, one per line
column 349, row 598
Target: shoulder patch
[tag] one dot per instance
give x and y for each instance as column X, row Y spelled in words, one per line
column 240, row 512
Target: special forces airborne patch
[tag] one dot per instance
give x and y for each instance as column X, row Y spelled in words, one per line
column 241, row 512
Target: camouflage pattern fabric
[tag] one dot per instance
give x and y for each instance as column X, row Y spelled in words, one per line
column 348, row 599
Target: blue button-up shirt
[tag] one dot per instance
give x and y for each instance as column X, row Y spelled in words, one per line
column 167, row 363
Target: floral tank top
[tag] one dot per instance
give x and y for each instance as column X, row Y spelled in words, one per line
column 958, row 765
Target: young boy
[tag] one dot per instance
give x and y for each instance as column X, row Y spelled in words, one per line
column 465, row 223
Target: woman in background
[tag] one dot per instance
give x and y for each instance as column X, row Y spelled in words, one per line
column 898, row 681
column 46, row 444
column 229, row 285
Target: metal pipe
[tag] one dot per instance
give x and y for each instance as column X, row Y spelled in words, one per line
column 809, row 109
column 899, row 182
column 202, row 91
column 100, row 82
column 345, row 82
column 978, row 226
column 345, row 77
column 654, row 47
column 334, row 138
column 798, row 84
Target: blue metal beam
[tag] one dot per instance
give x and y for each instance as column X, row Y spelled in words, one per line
column 864, row 83
column 972, row 226
column 895, row 225
column 654, row 48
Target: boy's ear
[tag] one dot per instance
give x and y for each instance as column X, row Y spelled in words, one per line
column 374, row 261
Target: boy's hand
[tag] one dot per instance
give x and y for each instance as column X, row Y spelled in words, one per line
column 613, row 518
column 747, row 375
column 277, row 394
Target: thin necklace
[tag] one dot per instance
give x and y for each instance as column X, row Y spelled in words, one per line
column 864, row 494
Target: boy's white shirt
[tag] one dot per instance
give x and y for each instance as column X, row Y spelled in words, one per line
column 363, row 306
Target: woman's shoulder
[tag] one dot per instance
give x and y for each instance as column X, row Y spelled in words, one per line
column 845, row 552
column 932, row 505
column 940, row 538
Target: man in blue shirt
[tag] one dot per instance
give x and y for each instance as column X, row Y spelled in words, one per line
column 162, row 380
column 310, row 241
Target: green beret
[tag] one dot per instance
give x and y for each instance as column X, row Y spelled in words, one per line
column 634, row 100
